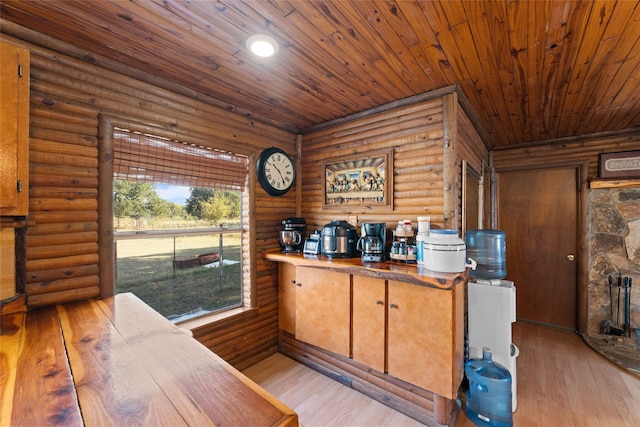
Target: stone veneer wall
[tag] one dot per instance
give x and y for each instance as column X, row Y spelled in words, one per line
column 614, row 247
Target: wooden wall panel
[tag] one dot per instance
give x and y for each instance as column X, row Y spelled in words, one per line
column 471, row 148
column 575, row 150
column 414, row 132
column 67, row 96
column 469, row 144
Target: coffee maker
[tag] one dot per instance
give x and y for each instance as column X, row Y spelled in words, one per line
column 372, row 243
column 292, row 237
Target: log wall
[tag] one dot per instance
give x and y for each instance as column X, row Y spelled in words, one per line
column 62, row 256
column 569, row 150
column 429, row 139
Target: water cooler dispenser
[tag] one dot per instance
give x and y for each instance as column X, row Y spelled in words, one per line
column 491, row 302
column 492, row 310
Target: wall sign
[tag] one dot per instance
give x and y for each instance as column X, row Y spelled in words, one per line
column 624, row 164
column 359, row 181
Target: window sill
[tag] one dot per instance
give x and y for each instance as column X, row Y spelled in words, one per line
column 212, row 318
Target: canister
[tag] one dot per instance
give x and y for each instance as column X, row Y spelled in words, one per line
column 424, row 224
column 445, row 252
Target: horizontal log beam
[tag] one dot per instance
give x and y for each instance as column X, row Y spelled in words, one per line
column 62, row 273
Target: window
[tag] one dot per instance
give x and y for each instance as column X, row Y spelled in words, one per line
column 193, row 265
column 151, row 158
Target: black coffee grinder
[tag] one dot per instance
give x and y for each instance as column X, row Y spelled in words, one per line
column 293, row 235
column 372, row 242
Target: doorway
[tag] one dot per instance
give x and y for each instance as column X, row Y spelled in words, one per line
column 538, row 211
column 472, row 198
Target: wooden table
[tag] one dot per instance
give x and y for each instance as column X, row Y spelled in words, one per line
column 118, row 362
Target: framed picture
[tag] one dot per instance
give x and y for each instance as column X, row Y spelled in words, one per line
column 362, row 181
column 624, row 164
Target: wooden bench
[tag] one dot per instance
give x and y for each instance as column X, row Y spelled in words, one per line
column 118, row 362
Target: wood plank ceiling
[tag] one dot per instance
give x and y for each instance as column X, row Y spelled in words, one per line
column 533, row 70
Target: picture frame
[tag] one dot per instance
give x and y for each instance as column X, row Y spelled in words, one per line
column 623, row 164
column 361, row 181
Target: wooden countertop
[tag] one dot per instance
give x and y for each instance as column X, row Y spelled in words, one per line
column 118, row 362
column 390, row 270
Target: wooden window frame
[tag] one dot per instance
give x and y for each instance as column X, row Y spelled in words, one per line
column 106, row 242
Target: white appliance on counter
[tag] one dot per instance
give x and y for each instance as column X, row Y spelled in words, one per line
column 492, row 310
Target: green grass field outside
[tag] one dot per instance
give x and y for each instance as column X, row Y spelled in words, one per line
column 145, row 268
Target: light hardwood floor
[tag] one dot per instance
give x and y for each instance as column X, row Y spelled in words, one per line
column 561, row 382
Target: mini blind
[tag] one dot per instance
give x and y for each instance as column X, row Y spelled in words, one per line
column 150, row 158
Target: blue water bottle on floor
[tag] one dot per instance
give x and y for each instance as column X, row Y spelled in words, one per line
column 489, row 394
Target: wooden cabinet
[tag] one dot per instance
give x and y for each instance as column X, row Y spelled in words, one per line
column 369, row 329
column 323, row 309
column 14, row 156
column 14, row 130
column 404, row 324
column 412, row 332
column 423, row 346
column 7, row 263
column 412, row 327
column 287, row 297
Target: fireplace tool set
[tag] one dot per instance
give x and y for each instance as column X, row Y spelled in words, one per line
column 608, row 326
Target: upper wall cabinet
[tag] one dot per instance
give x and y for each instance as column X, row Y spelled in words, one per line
column 14, row 130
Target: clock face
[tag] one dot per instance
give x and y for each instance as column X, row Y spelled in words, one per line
column 276, row 172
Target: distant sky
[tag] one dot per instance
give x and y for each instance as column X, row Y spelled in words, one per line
column 173, row 193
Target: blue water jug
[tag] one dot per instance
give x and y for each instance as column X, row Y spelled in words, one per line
column 489, row 395
column 488, row 248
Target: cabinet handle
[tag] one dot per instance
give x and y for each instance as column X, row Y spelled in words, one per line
column 393, row 306
column 379, row 302
column 298, row 284
column 293, row 282
column 19, row 186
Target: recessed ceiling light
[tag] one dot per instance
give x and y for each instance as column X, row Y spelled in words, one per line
column 263, row 46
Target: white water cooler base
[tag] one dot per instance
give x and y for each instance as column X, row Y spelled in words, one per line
column 492, row 310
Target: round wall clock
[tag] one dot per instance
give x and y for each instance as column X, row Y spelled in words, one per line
column 276, row 171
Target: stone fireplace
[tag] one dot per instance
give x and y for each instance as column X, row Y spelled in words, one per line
column 614, row 249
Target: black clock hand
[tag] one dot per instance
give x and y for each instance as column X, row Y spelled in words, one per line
column 279, row 173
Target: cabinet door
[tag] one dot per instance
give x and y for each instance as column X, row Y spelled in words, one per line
column 14, row 130
column 323, row 309
column 287, row 297
column 369, row 321
column 421, row 337
column 7, row 263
